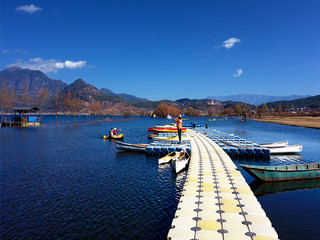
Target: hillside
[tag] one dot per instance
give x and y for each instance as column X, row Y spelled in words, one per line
column 86, row 92
column 310, row 102
column 124, row 96
column 18, row 78
column 256, row 99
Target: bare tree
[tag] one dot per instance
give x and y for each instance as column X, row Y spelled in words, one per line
column 6, row 99
column 42, row 98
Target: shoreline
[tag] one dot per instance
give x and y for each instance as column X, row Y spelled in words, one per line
column 309, row 122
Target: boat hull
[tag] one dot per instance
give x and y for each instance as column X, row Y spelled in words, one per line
column 180, row 161
column 274, row 145
column 174, row 130
column 120, row 136
column 167, row 158
column 131, row 147
column 286, row 150
column 179, row 165
column 284, row 172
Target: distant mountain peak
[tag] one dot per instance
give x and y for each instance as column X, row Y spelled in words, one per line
column 11, row 69
column 124, row 96
column 256, row 99
column 80, row 80
column 17, row 79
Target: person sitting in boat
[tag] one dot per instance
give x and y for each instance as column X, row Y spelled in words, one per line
column 115, row 132
column 111, row 132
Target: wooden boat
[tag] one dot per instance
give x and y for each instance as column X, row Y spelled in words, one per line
column 283, row 172
column 212, row 119
column 286, row 150
column 131, row 147
column 180, row 161
column 167, row 158
column 120, row 136
column 274, row 145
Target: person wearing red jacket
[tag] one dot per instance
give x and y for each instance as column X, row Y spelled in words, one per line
column 179, row 126
column 115, row 132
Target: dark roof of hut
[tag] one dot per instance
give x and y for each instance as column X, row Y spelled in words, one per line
column 25, row 109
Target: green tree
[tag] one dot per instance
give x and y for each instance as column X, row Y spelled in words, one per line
column 265, row 108
column 238, row 109
column 279, row 109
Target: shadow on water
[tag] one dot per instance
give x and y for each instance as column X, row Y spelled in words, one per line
column 261, row 188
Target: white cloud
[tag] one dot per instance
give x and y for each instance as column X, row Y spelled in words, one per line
column 73, row 65
column 229, row 43
column 28, row 8
column 7, row 51
column 46, row 66
column 238, row 72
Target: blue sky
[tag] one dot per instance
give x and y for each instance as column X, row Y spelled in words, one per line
column 168, row 49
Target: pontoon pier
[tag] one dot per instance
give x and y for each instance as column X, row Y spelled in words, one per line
column 216, row 201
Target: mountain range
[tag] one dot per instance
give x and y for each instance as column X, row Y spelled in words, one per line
column 256, row 99
column 29, row 82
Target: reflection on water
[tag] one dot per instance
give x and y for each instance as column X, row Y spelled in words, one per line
column 260, row 188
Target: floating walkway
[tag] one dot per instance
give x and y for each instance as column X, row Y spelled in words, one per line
column 233, row 145
column 216, row 201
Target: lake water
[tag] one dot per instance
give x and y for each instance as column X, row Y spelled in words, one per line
column 66, row 182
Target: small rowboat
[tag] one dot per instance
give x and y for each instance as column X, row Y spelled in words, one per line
column 283, row 172
column 286, row 150
column 167, row 158
column 120, row 136
column 274, row 145
column 180, row 161
column 131, row 147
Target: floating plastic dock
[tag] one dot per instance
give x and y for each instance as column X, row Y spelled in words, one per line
column 216, row 201
column 233, row 145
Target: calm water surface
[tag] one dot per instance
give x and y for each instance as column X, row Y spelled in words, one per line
column 67, row 182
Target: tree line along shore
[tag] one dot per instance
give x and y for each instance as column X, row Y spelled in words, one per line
column 300, row 121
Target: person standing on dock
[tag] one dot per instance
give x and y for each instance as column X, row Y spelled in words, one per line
column 179, row 126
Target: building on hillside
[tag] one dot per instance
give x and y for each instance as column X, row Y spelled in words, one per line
column 214, row 103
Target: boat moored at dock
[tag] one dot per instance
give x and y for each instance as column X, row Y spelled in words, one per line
column 180, row 161
column 274, row 145
column 291, row 149
column 283, row 172
column 131, row 147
